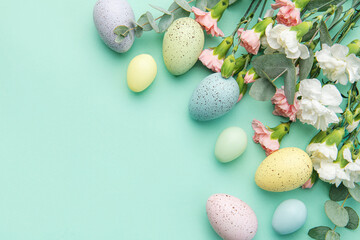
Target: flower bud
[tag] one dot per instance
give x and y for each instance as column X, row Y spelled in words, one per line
column 302, row 29
column 349, row 117
column 354, row 47
column 301, row 3
column 227, row 69
column 335, row 136
column 218, row 10
column 241, row 82
column 345, row 154
column 280, row 131
column 251, row 76
column 318, row 137
column 240, row 63
column 260, row 27
column 222, row 49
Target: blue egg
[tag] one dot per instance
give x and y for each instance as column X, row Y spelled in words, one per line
column 214, row 97
column 289, row 216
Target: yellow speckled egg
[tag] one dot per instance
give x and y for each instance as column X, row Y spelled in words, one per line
column 141, row 72
column 284, row 170
column 182, row 45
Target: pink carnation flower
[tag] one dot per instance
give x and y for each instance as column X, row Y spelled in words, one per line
column 249, row 78
column 250, row 40
column 210, row 60
column 282, row 107
column 308, row 184
column 288, row 14
column 209, row 23
column 263, row 136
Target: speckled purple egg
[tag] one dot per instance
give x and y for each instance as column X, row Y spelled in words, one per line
column 214, row 97
column 108, row 14
column 231, row 218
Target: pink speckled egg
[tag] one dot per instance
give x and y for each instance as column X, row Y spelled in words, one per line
column 231, row 218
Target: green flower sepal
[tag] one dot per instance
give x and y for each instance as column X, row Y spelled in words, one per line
column 280, row 131
column 222, row 49
column 218, row 10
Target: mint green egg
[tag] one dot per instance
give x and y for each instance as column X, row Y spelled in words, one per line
column 230, row 144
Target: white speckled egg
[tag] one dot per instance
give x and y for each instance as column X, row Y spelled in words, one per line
column 141, row 72
column 108, row 14
column 214, row 97
column 289, row 216
column 284, row 170
column 182, row 45
column 230, row 144
column 231, row 218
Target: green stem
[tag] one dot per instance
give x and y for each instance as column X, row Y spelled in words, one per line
column 263, row 8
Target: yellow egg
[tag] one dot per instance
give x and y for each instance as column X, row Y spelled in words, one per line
column 284, row 170
column 141, row 72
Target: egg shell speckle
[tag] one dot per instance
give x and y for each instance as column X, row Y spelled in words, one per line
column 284, row 170
column 231, row 218
column 289, row 216
column 182, row 45
column 108, row 14
column 214, row 97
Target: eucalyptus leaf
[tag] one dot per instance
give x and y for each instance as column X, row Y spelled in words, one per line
column 353, row 219
column 321, row 5
column 143, row 22
column 332, row 235
column 201, row 4
column 305, row 66
column 325, row 37
column 152, row 22
column 354, row 2
column 138, row 31
column 337, row 15
column 272, row 66
column 121, row 30
column 262, row 90
column 165, row 22
column 212, row 3
column 338, row 193
column 160, row 9
column 179, row 12
column 184, row 5
column 318, row 233
column 355, row 192
column 337, row 214
column 119, row 38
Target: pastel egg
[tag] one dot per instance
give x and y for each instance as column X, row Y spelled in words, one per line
column 182, row 45
column 231, row 218
column 284, row 170
column 289, row 216
column 108, row 14
column 141, row 72
column 230, row 144
column 213, row 97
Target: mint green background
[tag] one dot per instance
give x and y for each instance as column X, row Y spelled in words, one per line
column 82, row 157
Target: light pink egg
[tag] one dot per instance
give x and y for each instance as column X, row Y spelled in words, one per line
column 231, row 218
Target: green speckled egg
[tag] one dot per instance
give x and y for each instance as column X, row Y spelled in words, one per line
column 182, row 45
column 284, row 170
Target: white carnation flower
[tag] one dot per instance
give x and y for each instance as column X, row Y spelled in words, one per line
column 332, row 173
column 320, row 152
column 337, row 65
column 282, row 39
column 318, row 105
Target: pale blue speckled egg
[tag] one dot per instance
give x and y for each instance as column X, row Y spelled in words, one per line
column 214, row 97
column 108, row 14
column 289, row 216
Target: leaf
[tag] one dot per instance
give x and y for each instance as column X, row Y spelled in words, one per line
column 319, row 232
column 212, row 3
column 332, row 235
column 152, row 22
column 321, row 5
column 325, row 37
column 119, row 38
column 165, row 22
column 143, row 22
column 305, row 66
column 354, row 3
column 353, row 219
column 121, row 32
column 338, row 193
column 262, row 90
column 201, row 4
column 272, row 66
column 310, row 33
column 179, row 12
column 337, row 214
column 337, row 15
column 138, row 31
column 160, row 9
column 184, row 5
column 355, row 192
